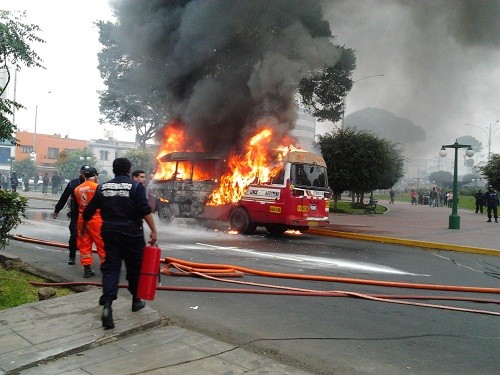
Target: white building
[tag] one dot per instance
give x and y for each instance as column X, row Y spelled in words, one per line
column 305, row 130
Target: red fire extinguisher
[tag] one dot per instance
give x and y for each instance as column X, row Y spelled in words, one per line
column 150, row 272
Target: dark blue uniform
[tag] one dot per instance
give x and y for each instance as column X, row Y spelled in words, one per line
column 123, row 204
column 491, row 200
column 68, row 192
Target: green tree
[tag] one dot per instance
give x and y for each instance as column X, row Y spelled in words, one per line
column 476, row 146
column 470, row 177
column 386, row 125
column 323, row 92
column 15, row 52
column 12, row 208
column 470, row 140
column 359, row 161
column 141, row 159
column 68, row 163
column 130, row 100
column 491, row 170
column 392, row 165
column 139, row 94
column 24, row 166
column 442, row 178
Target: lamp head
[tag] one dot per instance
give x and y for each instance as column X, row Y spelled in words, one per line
column 469, row 152
column 442, row 152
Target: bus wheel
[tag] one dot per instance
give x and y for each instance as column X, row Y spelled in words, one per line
column 239, row 220
column 276, row 229
column 165, row 213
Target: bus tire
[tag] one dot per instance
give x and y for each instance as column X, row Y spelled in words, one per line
column 239, row 220
column 276, row 229
column 165, row 213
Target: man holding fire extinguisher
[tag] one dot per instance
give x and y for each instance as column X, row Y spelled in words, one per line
column 123, row 205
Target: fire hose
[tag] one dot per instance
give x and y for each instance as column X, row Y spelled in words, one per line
column 216, row 271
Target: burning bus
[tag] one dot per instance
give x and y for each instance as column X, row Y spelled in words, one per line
column 295, row 197
column 187, row 180
column 279, row 189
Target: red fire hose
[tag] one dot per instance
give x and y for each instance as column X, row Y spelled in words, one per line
column 210, row 271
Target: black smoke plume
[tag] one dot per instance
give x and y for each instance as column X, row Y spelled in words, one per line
column 228, row 65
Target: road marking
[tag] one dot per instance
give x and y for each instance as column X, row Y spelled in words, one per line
column 317, row 261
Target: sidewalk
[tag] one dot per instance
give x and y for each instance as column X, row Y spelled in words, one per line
column 64, row 335
column 43, row 338
column 420, row 226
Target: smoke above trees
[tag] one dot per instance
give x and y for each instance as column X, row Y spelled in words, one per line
column 227, row 65
column 440, row 60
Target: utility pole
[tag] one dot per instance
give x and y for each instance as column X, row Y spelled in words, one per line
column 489, row 133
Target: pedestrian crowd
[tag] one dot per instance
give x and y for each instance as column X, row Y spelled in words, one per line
column 435, row 197
column 26, row 182
column 441, row 198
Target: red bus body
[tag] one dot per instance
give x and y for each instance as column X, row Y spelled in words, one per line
column 297, row 197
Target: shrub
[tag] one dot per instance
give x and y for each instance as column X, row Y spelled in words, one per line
column 12, row 208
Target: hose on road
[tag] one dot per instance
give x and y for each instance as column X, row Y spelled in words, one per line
column 215, row 271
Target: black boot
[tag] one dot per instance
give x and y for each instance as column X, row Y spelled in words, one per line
column 88, row 272
column 71, row 260
column 137, row 304
column 107, row 316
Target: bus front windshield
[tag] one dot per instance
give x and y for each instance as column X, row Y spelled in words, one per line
column 308, row 175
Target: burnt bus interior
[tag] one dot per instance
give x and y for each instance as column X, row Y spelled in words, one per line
column 189, row 166
column 308, row 175
column 189, row 178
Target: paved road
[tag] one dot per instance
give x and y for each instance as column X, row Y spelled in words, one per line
column 171, row 349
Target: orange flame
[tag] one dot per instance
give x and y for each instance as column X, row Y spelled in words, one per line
column 176, row 139
column 255, row 164
column 259, row 163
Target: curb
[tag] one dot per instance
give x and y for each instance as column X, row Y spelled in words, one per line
column 406, row 242
column 40, row 316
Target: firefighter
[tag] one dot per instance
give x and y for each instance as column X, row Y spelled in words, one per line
column 123, row 206
column 73, row 214
column 83, row 195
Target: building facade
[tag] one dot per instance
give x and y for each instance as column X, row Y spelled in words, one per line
column 44, row 148
column 107, row 150
column 305, row 130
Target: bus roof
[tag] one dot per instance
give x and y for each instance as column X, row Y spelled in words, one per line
column 305, row 157
column 187, row 156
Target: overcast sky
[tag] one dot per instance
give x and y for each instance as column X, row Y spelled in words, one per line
column 439, row 71
column 66, row 91
column 440, row 60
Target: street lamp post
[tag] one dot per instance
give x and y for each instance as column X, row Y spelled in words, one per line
column 488, row 131
column 85, row 156
column 344, row 98
column 454, row 219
